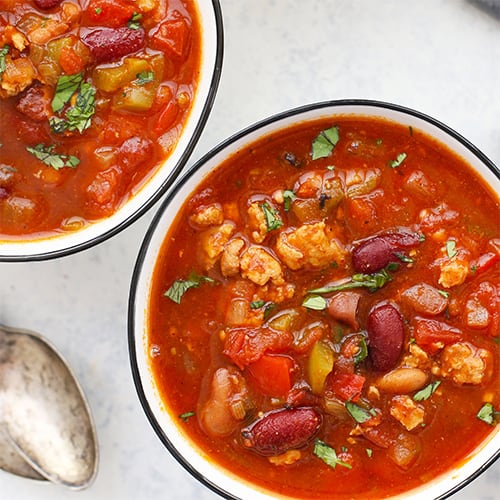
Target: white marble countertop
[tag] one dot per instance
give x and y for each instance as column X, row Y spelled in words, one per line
column 441, row 57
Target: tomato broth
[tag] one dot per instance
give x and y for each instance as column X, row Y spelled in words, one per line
column 330, row 326
column 93, row 97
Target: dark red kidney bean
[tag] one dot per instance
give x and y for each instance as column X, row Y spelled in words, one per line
column 385, row 329
column 110, row 44
column 47, row 4
column 282, row 430
column 374, row 253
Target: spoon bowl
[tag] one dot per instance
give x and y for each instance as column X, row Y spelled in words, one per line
column 44, row 416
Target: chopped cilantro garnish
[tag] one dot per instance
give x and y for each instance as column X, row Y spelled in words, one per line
column 272, row 217
column 180, row 287
column 52, row 159
column 399, row 159
column 98, row 10
column 144, row 77
column 288, row 197
column 257, row 304
column 315, row 302
column 362, row 351
column 378, row 142
column 187, row 415
column 487, row 414
column 427, row 391
column 444, row 293
column 358, row 413
column 451, row 249
column 79, row 116
column 3, row 52
column 134, row 23
column 369, row 452
column 328, row 455
column 404, row 258
column 324, row 143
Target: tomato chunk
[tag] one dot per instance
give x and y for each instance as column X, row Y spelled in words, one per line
column 272, row 374
column 173, row 37
column 110, row 13
column 346, row 386
column 432, row 334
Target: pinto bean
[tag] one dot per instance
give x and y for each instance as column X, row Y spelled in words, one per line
column 282, row 430
column 386, row 334
column 374, row 253
column 110, row 44
column 402, row 380
column 47, row 4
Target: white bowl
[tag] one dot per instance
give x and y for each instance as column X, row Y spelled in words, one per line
column 167, row 426
column 210, row 70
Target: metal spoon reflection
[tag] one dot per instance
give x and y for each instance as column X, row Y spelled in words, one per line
column 44, row 417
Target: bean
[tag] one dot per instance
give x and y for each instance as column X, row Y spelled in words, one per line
column 110, row 44
column 385, row 329
column 374, row 253
column 47, row 4
column 282, row 430
column 402, row 380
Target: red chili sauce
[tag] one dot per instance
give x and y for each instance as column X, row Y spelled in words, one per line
column 93, row 96
column 330, row 327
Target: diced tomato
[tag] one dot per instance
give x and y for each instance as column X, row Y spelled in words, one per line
column 432, row 335
column 110, row 13
column 70, row 61
column 247, row 345
column 346, row 386
column 166, row 117
column 172, row 37
column 272, row 374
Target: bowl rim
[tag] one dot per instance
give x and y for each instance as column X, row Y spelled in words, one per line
column 173, row 174
column 180, row 183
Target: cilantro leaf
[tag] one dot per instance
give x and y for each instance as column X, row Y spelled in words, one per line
column 144, row 77
column 328, row 455
column 66, row 86
column 427, row 391
column 52, row 159
column 187, row 415
column 272, row 217
column 451, row 249
column 324, row 143
column 180, row 287
column 399, row 159
column 362, row 353
column 315, row 302
column 3, row 52
column 257, row 304
column 358, row 413
column 134, row 22
column 288, row 197
column 487, row 414
column 79, row 116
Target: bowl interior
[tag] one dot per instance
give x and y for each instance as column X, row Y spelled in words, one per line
column 210, row 69
column 192, row 458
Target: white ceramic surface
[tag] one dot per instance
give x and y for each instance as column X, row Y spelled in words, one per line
column 210, row 68
column 167, row 425
column 440, row 57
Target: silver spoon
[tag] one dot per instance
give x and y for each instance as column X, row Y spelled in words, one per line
column 44, row 417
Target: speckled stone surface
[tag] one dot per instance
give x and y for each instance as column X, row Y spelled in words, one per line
column 439, row 57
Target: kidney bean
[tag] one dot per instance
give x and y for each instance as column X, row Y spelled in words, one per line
column 110, row 44
column 374, row 253
column 47, row 4
column 386, row 335
column 282, row 430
